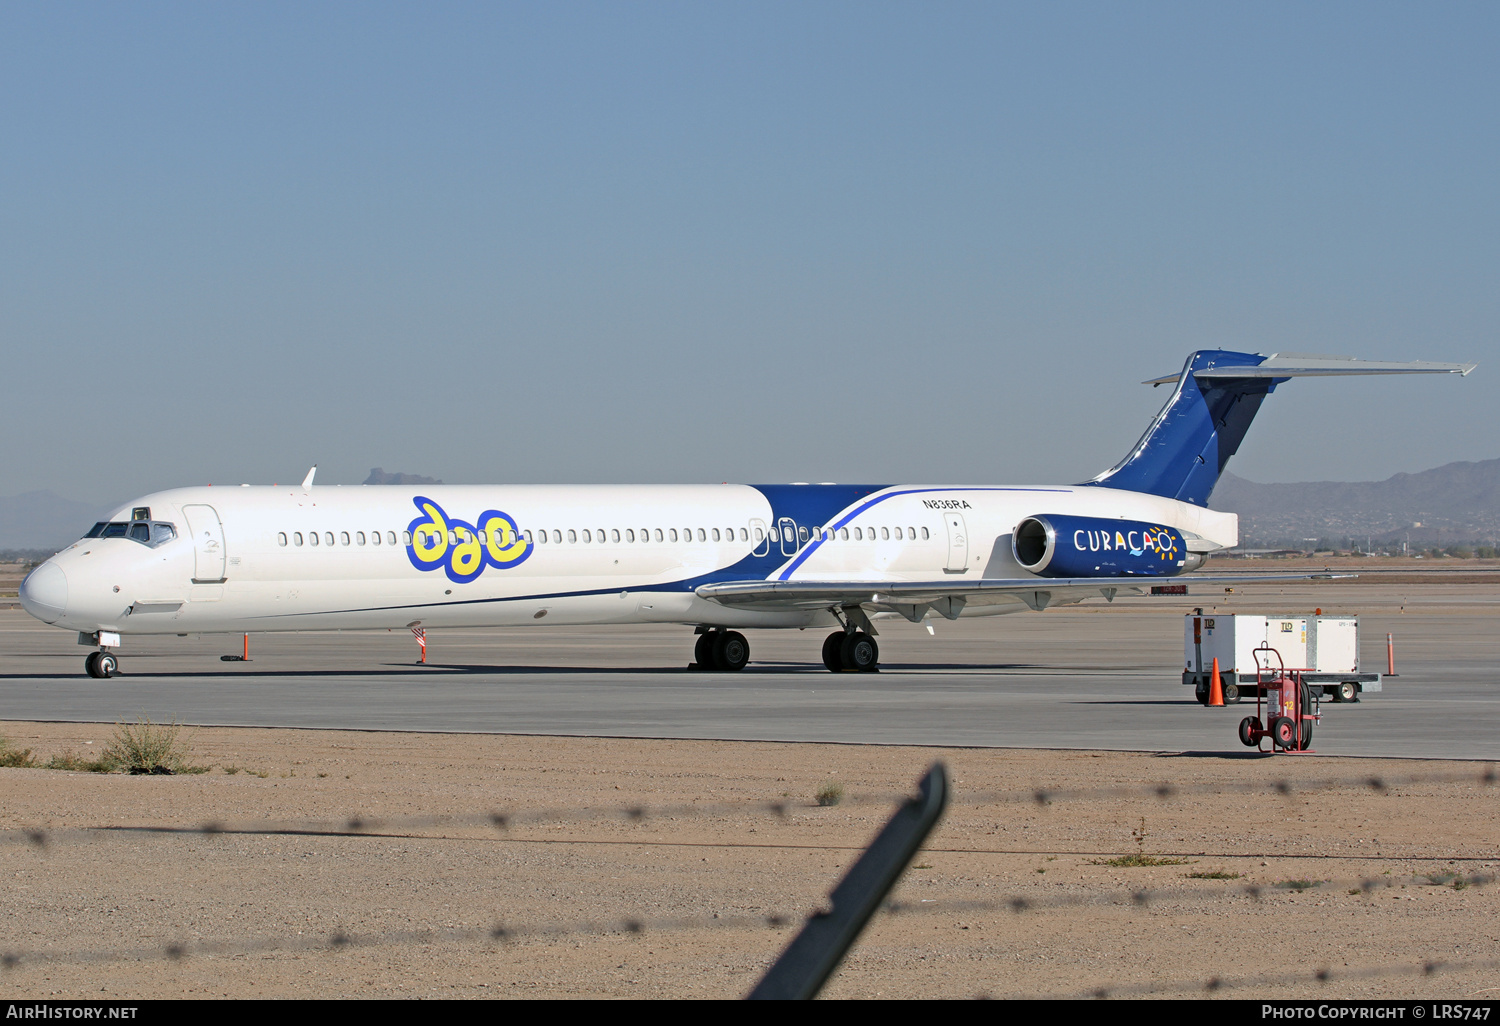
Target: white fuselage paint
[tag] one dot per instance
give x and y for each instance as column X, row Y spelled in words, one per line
column 961, row 533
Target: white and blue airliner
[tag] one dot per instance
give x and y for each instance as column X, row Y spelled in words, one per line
column 716, row 558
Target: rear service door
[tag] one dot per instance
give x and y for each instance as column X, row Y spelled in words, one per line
column 958, row 544
column 208, row 543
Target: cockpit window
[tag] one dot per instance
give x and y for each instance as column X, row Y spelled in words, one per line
column 151, row 533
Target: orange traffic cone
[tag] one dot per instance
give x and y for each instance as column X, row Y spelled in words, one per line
column 1215, row 686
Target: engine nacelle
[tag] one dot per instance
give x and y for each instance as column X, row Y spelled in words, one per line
column 1057, row 545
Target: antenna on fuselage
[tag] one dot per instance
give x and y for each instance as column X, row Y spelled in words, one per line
column 307, row 481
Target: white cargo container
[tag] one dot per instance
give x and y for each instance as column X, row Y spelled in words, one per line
column 1326, row 648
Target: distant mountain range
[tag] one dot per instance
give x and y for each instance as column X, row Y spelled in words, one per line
column 1457, row 502
column 380, row 477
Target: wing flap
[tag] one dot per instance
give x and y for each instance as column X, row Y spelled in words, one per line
column 947, row 597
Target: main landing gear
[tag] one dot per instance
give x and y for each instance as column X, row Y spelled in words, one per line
column 721, row 650
column 101, row 664
column 850, row 650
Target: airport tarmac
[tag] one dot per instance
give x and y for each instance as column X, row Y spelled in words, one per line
column 1097, row 676
column 633, row 867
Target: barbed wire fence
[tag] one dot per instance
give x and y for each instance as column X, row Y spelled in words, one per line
column 503, row 825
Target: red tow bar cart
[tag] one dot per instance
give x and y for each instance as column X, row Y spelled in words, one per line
column 1285, row 706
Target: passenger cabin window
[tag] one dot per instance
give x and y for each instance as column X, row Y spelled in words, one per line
column 312, row 537
column 925, row 535
column 405, row 537
column 572, row 536
column 328, row 537
column 359, row 537
column 702, row 534
column 297, row 538
column 614, row 535
column 390, row 536
column 281, row 539
column 344, row 537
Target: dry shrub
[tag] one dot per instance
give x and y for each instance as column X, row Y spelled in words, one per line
column 146, row 747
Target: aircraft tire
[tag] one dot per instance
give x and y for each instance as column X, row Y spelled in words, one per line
column 833, row 652
column 91, row 664
column 731, row 651
column 703, row 651
column 860, row 652
column 108, row 665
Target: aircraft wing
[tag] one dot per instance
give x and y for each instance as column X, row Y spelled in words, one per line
column 913, row 599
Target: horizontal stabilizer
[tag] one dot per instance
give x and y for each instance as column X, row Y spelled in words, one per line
column 1306, row 365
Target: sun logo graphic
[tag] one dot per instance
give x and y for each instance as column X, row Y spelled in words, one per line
column 1165, row 543
column 462, row 549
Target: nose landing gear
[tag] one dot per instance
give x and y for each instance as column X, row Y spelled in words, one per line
column 101, row 664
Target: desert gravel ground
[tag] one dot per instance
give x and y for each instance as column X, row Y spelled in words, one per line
column 254, row 910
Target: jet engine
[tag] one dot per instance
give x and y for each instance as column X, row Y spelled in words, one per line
column 1058, row 545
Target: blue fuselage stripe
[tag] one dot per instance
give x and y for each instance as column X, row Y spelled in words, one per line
column 813, row 547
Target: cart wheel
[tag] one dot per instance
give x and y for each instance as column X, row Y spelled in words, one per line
column 1250, row 732
column 1283, row 732
column 1348, row 691
column 1231, row 694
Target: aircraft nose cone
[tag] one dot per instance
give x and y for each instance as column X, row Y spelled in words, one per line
column 44, row 593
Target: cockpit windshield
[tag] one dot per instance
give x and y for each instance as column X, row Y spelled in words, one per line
column 150, row 533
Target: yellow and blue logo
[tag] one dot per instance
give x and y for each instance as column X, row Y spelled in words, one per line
column 462, row 549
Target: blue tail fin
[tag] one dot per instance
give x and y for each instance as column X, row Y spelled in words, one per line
column 1184, row 451
column 1186, row 447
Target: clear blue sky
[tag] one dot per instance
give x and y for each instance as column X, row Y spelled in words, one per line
column 754, row 242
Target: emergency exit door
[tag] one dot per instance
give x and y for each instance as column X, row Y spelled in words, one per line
column 958, row 544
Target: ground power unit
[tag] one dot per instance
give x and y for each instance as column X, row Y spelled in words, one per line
column 1324, row 648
